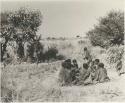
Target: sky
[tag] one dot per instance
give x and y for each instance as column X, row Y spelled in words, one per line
column 66, row 18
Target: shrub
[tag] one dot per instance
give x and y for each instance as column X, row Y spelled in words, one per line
column 109, row 30
column 115, row 53
column 60, row 57
column 51, row 53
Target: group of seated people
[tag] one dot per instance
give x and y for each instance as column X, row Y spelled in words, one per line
column 92, row 72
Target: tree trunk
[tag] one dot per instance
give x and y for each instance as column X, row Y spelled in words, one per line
column 3, row 48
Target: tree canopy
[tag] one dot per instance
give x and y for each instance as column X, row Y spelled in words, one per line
column 109, row 31
column 19, row 26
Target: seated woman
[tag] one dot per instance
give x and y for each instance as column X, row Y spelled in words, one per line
column 85, row 75
column 101, row 74
column 64, row 75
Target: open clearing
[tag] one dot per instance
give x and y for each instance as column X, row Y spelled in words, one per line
column 37, row 83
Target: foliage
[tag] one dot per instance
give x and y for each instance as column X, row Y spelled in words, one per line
column 51, row 53
column 109, row 30
column 115, row 53
column 60, row 57
column 19, row 26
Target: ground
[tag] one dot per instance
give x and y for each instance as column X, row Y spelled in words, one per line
column 37, row 83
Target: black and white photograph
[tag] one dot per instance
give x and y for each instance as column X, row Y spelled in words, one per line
column 62, row 51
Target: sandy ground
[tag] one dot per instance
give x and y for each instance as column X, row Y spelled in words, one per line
column 108, row 91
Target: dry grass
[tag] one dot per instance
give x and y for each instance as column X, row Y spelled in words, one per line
column 32, row 82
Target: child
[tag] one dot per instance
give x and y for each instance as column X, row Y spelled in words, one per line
column 75, row 64
column 96, row 63
column 102, row 74
column 94, row 68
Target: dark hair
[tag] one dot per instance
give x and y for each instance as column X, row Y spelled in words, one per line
column 74, row 60
column 85, row 48
column 86, row 58
column 101, row 65
column 97, row 60
column 68, row 60
column 63, row 64
column 85, row 65
column 67, row 64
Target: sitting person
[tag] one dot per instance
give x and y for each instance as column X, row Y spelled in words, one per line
column 75, row 63
column 74, row 71
column 64, row 75
column 85, row 75
column 101, row 74
column 87, row 60
column 94, row 67
column 96, row 63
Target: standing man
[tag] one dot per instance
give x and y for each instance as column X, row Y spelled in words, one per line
column 87, row 55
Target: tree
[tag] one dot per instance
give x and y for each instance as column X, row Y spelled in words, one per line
column 19, row 26
column 7, row 30
column 109, row 31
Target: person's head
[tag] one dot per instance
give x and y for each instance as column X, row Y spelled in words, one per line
column 101, row 65
column 86, row 58
column 92, row 63
column 74, row 61
column 63, row 64
column 85, row 66
column 97, row 61
column 85, row 48
column 68, row 63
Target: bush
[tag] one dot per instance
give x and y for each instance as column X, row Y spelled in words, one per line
column 109, row 31
column 60, row 57
column 52, row 54
column 115, row 53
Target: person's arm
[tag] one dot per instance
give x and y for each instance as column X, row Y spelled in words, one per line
column 86, row 75
column 97, row 75
column 105, row 71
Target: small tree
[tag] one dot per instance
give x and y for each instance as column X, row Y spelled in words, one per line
column 109, row 31
column 19, row 26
